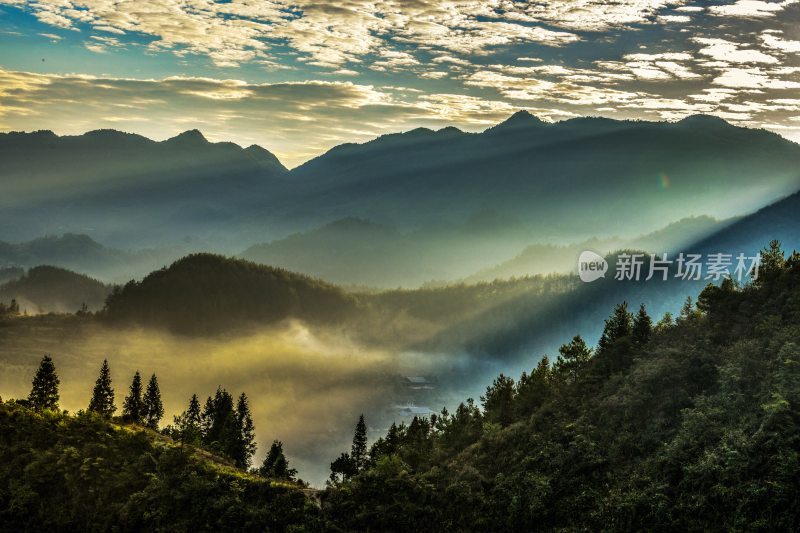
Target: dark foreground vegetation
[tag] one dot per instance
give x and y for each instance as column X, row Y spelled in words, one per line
column 685, row 424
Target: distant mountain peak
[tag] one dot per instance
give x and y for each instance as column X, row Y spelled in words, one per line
column 265, row 157
column 703, row 120
column 189, row 136
column 520, row 119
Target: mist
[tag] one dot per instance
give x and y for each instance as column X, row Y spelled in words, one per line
column 306, row 388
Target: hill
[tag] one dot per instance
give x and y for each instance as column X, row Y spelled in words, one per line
column 559, row 178
column 564, row 182
column 780, row 219
column 117, row 186
column 83, row 254
column 60, row 472
column 206, row 293
column 689, row 425
column 53, row 289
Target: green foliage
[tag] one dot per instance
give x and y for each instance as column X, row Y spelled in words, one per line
column 102, row 401
column 275, row 465
column 82, row 473
column 133, row 407
column 358, row 452
column 44, row 389
column 692, row 425
column 226, row 430
column 187, row 428
column 206, row 294
column 152, row 408
column 498, row 403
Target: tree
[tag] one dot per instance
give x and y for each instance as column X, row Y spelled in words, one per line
column 44, row 389
column 665, row 323
column 359, row 449
column 276, row 465
column 533, row 389
column 642, row 327
column 619, row 325
column 772, row 263
column 133, row 407
column 498, row 403
column 246, row 442
column 152, row 408
column 188, row 424
column 572, row 357
column 343, row 468
column 102, row 401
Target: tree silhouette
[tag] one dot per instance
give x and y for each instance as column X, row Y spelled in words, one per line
column 44, row 389
column 188, row 424
column 133, row 406
column 358, row 452
column 246, row 445
column 642, row 327
column 102, row 401
column 276, row 465
column 153, row 409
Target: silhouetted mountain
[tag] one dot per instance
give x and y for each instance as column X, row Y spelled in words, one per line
column 780, row 220
column 126, row 186
column 561, row 178
column 206, row 293
column 83, row 254
column 52, row 289
column 563, row 181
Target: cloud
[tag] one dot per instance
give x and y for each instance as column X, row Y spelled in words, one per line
column 332, row 34
column 777, row 43
column 751, row 8
column 296, row 120
column 729, row 52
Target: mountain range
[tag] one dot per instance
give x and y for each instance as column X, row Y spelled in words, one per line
column 565, row 181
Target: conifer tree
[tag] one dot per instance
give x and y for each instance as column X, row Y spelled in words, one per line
column 133, row 406
column 102, row 401
column 619, row 325
column 572, row 357
column 358, row 453
column 44, row 389
column 153, row 409
column 276, row 465
column 246, row 445
column 188, row 424
column 642, row 327
column 498, row 403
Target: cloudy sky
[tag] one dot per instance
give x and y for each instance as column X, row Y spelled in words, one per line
column 300, row 77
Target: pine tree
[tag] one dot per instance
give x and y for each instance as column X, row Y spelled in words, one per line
column 276, row 465
column 188, row 424
column 133, row 406
column 153, row 409
column 498, row 403
column 358, row 454
column 44, row 389
column 572, row 357
column 246, row 445
column 103, row 395
column 642, row 327
column 619, row 325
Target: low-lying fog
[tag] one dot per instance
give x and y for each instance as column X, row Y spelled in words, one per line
column 305, row 387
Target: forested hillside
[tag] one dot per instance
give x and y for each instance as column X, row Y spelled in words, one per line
column 48, row 288
column 689, row 424
column 209, row 293
column 61, row 472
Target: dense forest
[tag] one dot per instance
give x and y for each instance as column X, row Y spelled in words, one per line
column 207, row 293
column 689, row 423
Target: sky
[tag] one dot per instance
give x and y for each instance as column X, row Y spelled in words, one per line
column 301, row 77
